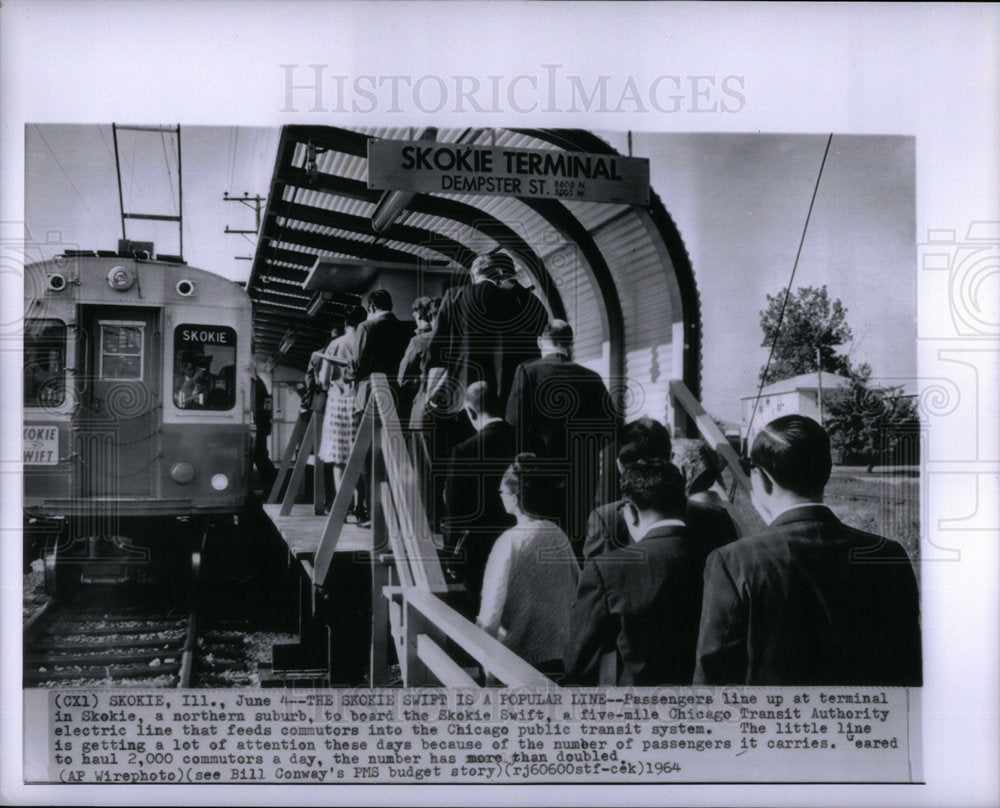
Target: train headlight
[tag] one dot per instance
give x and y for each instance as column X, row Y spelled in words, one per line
column 220, row 482
column 121, row 279
column 182, row 473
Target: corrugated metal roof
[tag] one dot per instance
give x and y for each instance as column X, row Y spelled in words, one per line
column 593, row 263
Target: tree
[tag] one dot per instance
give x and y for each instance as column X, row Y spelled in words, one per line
column 866, row 423
column 811, row 323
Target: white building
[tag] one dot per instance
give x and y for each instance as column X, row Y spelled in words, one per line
column 796, row 395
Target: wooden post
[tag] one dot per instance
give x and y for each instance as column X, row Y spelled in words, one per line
column 415, row 625
column 286, row 464
column 319, row 486
column 342, row 501
column 319, row 469
column 397, row 627
column 378, row 657
column 299, row 472
column 819, row 383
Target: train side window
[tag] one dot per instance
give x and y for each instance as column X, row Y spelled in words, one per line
column 44, row 363
column 121, row 355
column 204, row 367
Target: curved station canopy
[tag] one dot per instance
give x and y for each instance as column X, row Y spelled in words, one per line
column 617, row 272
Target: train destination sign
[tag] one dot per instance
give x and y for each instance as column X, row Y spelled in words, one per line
column 427, row 166
column 40, row 445
column 205, row 335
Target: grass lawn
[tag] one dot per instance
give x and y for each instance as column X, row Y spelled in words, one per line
column 885, row 501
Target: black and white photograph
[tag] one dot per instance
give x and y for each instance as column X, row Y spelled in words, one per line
column 559, row 484
column 491, row 426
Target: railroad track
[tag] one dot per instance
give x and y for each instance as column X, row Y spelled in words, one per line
column 108, row 636
column 125, row 635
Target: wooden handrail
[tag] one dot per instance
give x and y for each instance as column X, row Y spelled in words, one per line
column 444, row 668
column 425, row 621
column 399, row 558
column 495, row 658
column 709, row 430
column 414, row 526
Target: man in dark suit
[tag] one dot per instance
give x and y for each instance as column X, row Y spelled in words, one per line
column 808, row 601
column 564, row 410
column 474, row 513
column 641, row 601
column 484, row 331
column 711, row 526
column 380, row 342
column 261, row 405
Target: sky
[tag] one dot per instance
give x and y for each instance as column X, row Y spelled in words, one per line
column 739, row 202
column 72, row 189
column 927, row 69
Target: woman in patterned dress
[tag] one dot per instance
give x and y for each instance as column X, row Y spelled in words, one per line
column 338, row 424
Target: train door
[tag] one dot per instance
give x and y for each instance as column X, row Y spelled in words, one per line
column 285, row 408
column 118, row 441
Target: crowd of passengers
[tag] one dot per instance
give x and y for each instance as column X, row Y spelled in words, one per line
column 603, row 553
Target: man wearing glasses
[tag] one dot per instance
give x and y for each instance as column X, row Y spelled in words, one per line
column 641, row 602
column 809, row 601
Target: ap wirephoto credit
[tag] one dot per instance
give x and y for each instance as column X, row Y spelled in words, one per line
column 483, row 455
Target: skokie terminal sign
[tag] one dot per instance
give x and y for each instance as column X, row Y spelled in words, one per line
column 433, row 167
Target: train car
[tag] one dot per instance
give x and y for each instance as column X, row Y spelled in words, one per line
column 137, row 408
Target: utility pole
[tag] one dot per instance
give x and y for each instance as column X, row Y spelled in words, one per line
column 256, row 202
column 819, row 383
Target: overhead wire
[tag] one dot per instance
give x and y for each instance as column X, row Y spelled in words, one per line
column 106, row 144
column 66, row 175
column 788, row 290
column 253, row 157
column 170, row 179
column 131, row 187
column 232, row 162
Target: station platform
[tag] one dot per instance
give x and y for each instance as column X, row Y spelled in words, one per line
column 333, row 624
column 302, row 531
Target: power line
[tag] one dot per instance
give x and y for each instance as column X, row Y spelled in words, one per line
column 229, row 148
column 253, row 155
column 166, row 160
column 788, row 290
column 63, row 170
column 133, row 185
column 106, row 144
column 232, row 164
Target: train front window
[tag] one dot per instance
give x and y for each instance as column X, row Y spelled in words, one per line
column 44, row 363
column 121, row 355
column 204, row 367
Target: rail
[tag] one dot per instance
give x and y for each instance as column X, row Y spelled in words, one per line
column 433, row 642
column 710, row 432
column 408, row 582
